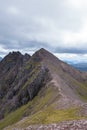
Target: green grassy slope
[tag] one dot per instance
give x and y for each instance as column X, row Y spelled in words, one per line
column 41, row 110
column 44, row 98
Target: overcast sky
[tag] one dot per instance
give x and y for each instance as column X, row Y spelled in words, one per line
column 57, row 25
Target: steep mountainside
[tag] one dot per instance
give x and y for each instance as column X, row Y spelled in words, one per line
column 10, row 67
column 41, row 88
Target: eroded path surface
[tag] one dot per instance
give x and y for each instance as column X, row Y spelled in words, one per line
column 67, row 125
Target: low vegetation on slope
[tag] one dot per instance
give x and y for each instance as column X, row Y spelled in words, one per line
column 41, row 110
column 49, row 116
column 42, row 100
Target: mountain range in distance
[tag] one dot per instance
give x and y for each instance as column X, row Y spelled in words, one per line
column 80, row 66
column 0, row 58
column 40, row 89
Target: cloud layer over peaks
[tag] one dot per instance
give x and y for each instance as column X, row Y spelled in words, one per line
column 57, row 25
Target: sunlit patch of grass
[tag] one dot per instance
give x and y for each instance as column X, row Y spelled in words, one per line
column 12, row 117
column 50, row 115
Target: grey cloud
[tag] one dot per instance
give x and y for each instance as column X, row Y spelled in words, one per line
column 23, row 44
column 70, row 50
column 38, row 23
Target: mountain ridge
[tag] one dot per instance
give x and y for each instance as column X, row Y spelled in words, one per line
column 39, row 83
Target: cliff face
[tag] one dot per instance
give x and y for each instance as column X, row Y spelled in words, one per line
column 21, row 77
column 41, row 81
column 9, row 68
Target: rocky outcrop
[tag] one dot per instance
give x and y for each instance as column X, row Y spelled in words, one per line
column 21, row 78
column 10, row 67
column 33, row 85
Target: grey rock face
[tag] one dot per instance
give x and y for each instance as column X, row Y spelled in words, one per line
column 21, row 78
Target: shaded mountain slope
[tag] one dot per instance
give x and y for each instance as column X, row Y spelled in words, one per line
column 10, row 67
column 20, row 80
column 45, row 84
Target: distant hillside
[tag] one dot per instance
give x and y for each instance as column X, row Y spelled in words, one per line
column 0, row 58
column 80, row 66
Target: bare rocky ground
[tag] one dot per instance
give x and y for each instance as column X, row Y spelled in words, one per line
column 67, row 125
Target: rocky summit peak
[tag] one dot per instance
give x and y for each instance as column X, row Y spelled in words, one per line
column 43, row 51
column 17, row 53
column 15, row 56
column 14, row 60
column 12, row 56
column 43, row 54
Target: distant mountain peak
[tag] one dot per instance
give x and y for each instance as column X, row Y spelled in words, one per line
column 43, row 54
column 13, row 55
column 43, row 51
column 13, row 60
